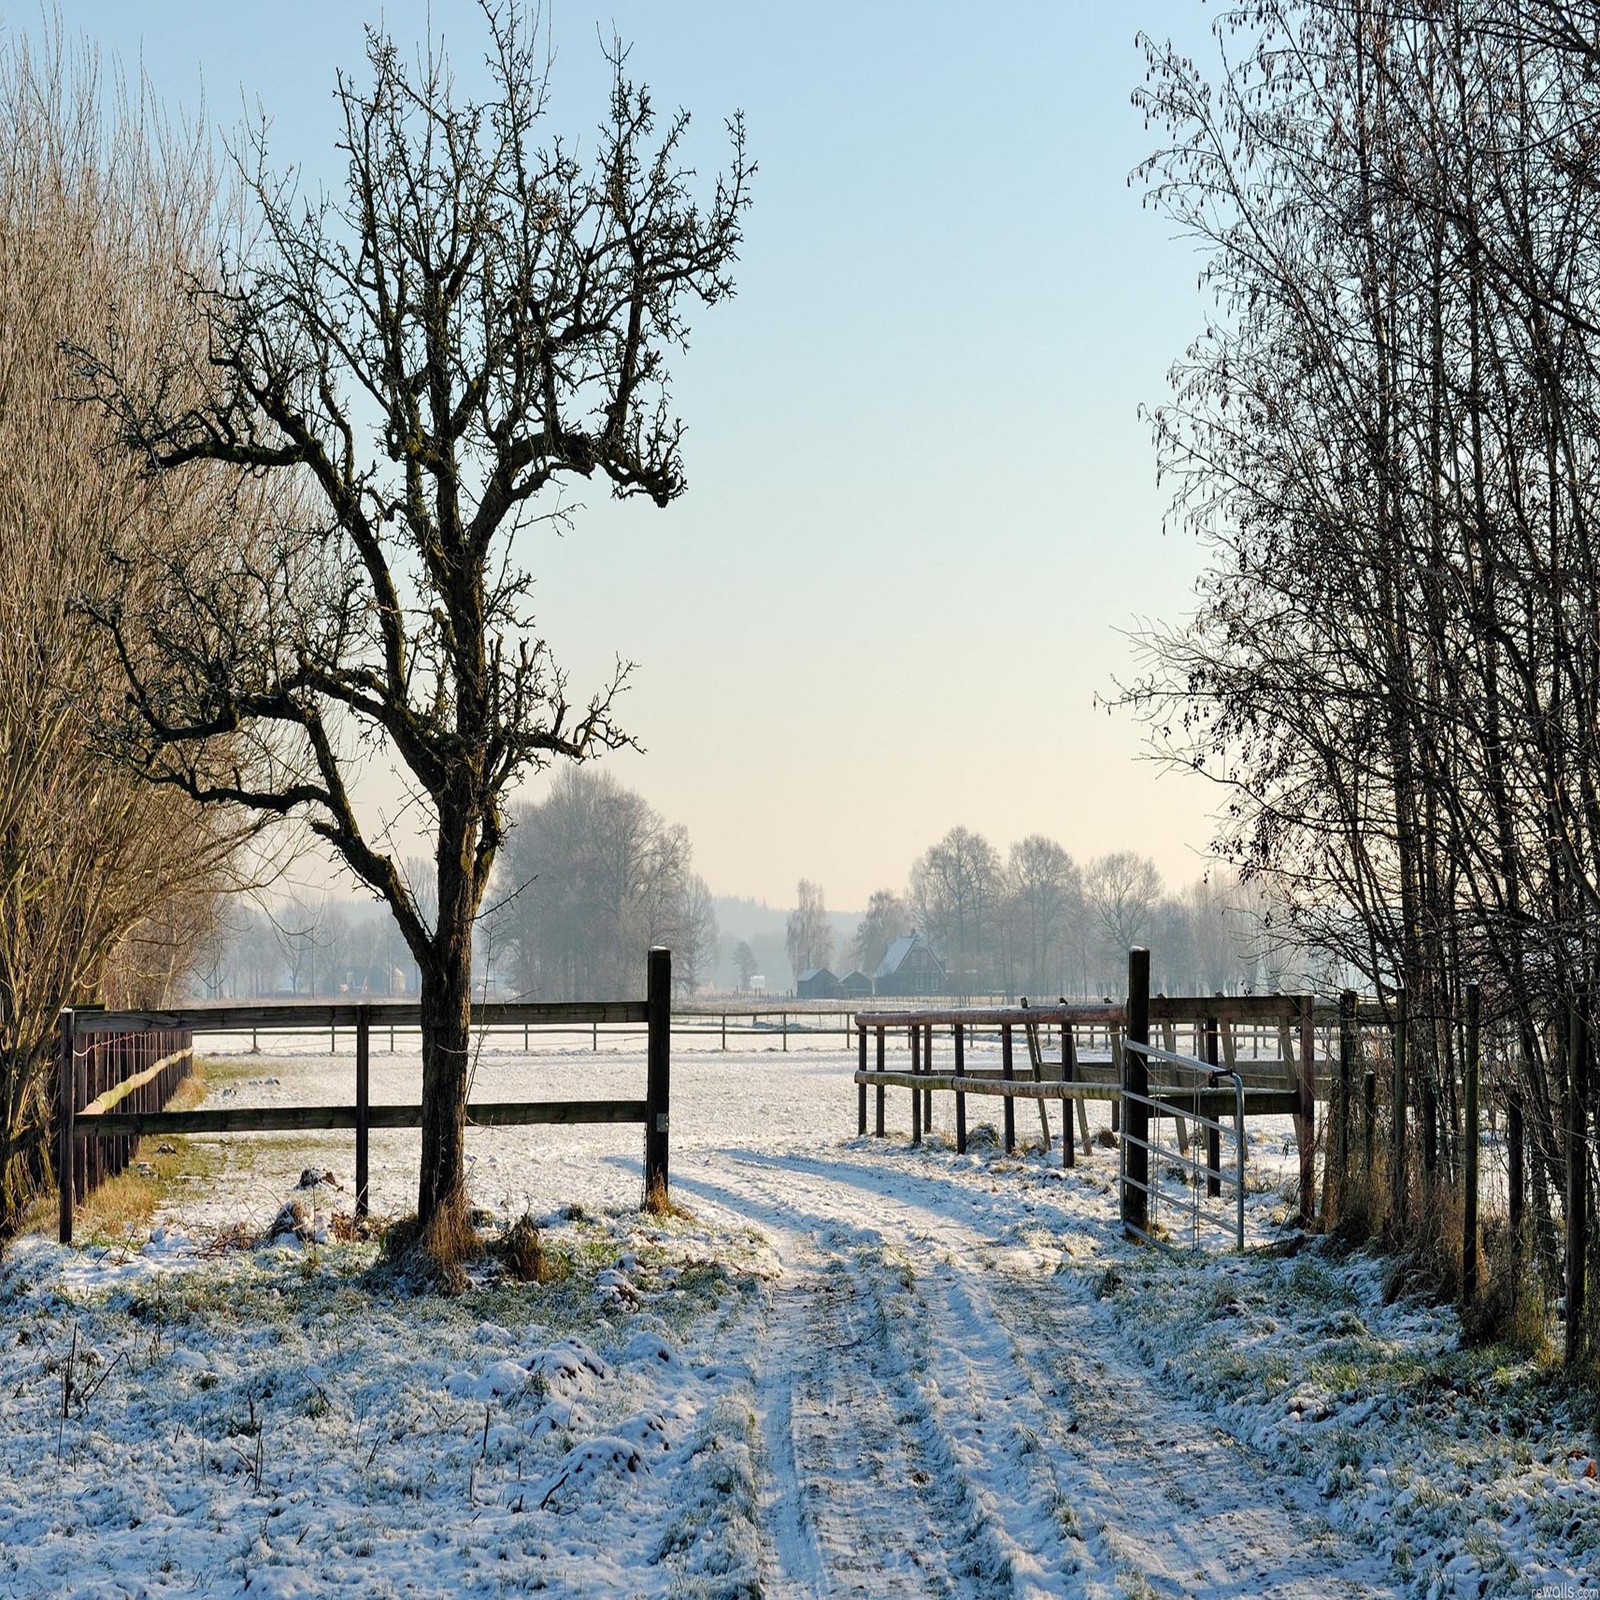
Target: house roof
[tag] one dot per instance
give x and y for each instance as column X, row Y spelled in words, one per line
column 815, row 972
column 895, row 956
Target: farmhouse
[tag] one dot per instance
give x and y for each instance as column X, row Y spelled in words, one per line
column 910, row 966
column 855, row 985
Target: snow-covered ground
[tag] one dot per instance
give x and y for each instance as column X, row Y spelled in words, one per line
column 857, row 1368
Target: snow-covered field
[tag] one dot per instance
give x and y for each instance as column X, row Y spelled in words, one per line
column 857, row 1368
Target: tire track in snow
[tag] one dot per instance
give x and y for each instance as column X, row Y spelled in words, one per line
column 862, row 1497
column 1077, row 1468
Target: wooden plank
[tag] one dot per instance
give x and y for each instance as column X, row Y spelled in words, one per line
column 112, row 1098
column 1257, row 1102
column 991, row 1016
column 265, row 1016
column 307, row 1119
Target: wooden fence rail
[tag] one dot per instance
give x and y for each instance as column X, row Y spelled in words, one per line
column 93, row 1115
column 135, row 1074
column 1285, row 1085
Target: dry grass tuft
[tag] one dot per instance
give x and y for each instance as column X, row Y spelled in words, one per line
column 521, row 1251
column 659, row 1203
column 434, row 1256
column 1511, row 1308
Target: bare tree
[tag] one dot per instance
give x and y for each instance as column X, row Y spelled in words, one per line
column 107, row 888
column 506, row 315
column 809, row 935
column 1121, row 890
column 699, row 940
column 744, row 963
column 956, row 890
column 590, row 877
column 1045, row 901
column 887, row 918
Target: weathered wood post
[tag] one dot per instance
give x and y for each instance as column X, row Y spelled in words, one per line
column 1397, row 1120
column 1306, row 1121
column 1008, row 1072
column 927, row 1070
column 1469, row 1174
column 878, row 1125
column 363, row 1102
column 861, row 1094
column 1516, row 1167
column 1347, row 1067
column 1069, row 1139
column 1136, row 1114
column 961, row 1095
column 1577, row 1174
column 66, row 1116
column 915, row 1032
column 658, row 1073
column 1213, row 1037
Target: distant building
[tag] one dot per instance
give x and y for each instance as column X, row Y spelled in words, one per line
column 855, row 985
column 910, row 966
column 758, row 983
column 817, row 983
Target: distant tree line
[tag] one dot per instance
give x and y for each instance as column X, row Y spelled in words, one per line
column 1035, row 922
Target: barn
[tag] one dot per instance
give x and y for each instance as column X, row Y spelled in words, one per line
column 817, row 983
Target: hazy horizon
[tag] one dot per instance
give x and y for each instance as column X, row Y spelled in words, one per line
column 922, row 508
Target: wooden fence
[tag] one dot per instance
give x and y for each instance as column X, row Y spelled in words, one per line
column 135, row 1072
column 85, row 1124
column 1286, row 1083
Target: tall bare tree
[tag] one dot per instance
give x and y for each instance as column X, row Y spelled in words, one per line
column 809, row 935
column 106, row 887
column 505, row 314
column 886, row 919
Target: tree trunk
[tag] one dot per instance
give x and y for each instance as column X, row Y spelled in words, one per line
column 446, row 1037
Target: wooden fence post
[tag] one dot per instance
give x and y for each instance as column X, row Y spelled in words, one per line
column 1347, row 1068
column 1008, row 1072
column 927, row 1068
column 1397, row 1118
column 66, row 1115
column 1306, row 1121
column 1136, row 1115
column 916, row 1093
column 1469, row 1212
column 363, row 1101
column 961, row 1097
column 878, row 1122
column 658, row 1074
column 1213, row 1136
column 1516, row 1167
column 1069, row 1137
column 1577, row 1174
column 861, row 1095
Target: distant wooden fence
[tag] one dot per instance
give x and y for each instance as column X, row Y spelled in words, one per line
column 84, row 1124
column 105, row 1072
column 1286, row 1083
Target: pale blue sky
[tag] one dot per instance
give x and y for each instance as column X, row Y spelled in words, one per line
column 921, row 503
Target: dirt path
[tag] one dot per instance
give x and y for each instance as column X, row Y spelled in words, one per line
column 945, row 1413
